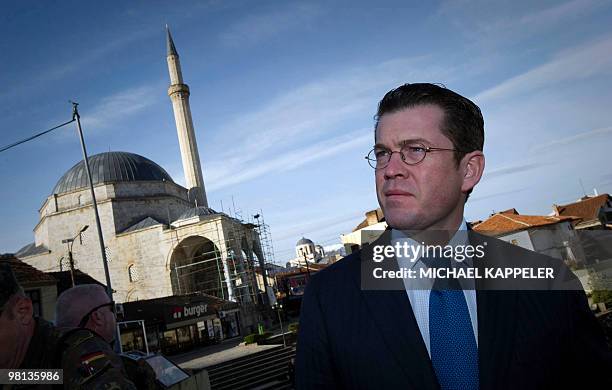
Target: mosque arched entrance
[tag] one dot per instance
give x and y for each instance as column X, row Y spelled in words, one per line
column 196, row 266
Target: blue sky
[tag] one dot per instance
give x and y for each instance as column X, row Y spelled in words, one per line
column 284, row 93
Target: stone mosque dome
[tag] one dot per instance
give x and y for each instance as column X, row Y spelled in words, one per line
column 304, row 241
column 111, row 167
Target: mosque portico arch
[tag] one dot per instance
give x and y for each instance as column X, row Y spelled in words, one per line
column 197, row 264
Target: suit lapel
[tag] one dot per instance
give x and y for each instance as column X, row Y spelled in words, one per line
column 395, row 321
column 496, row 319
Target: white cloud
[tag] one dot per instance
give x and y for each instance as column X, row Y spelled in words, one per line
column 284, row 125
column 120, row 105
column 560, row 13
column 319, row 106
column 229, row 172
column 510, row 170
column 573, row 64
column 495, row 195
column 587, row 135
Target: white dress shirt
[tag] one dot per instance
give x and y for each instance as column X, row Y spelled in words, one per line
column 418, row 290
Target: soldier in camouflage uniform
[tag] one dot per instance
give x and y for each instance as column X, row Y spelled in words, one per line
column 87, row 360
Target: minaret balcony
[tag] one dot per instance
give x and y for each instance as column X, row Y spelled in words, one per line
column 178, row 88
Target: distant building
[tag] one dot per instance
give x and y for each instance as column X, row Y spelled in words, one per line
column 550, row 235
column 366, row 232
column 307, row 251
column 594, row 212
column 291, row 284
column 176, row 324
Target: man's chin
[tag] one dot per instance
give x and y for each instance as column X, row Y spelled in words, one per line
column 403, row 221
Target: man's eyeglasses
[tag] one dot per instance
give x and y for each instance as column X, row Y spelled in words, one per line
column 85, row 318
column 379, row 158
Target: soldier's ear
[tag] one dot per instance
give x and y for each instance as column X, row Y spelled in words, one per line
column 23, row 310
column 97, row 317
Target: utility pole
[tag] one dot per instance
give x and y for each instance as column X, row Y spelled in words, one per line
column 77, row 117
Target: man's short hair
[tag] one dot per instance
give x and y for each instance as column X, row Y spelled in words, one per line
column 463, row 123
column 75, row 302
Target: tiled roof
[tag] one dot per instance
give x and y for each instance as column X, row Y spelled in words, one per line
column 501, row 223
column 31, row 250
column 145, row 223
column 199, row 211
column 510, row 211
column 26, row 274
column 587, row 209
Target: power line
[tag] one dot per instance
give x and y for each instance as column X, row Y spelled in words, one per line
column 7, row 147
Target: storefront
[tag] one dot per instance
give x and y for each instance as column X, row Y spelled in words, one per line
column 229, row 322
column 177, row 323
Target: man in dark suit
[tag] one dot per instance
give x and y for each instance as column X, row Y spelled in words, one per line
column 359, row 332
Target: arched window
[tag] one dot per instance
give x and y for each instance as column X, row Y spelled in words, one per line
column 133, row 273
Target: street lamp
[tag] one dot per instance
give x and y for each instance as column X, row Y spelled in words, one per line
column 70, row 242
column 278, row 308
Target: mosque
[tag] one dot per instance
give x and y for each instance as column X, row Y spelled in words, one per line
column 161, row 238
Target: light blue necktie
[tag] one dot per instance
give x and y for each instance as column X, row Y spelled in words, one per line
column 454, row 352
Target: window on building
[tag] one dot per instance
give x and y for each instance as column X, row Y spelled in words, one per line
column 133, row 273
column 34, row 295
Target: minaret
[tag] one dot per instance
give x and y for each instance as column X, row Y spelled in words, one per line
column 179, row 94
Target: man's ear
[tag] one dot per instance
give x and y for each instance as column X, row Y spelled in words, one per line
column 23, row 310
column 97, row 317
column 472, row 166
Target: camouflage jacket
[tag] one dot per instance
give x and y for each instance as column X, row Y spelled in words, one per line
column 87, row 360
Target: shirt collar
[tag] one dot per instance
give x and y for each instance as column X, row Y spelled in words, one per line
column 459, row 238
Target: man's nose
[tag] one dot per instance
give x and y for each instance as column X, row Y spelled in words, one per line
column 395, row 167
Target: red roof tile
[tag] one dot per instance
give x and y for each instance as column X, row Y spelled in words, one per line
column 510, row 211
column 500, row 223
column 587, row 209
column 26, row 274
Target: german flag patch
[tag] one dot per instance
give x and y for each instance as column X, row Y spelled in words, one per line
column 89, row 363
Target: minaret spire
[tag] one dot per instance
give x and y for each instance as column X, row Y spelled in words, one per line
column 179, row 94
column 170, row 43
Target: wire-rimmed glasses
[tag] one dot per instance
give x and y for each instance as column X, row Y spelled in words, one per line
column 379, row 158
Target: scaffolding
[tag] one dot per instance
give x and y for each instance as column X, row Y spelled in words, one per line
column 220, row 261
column 265, row 238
